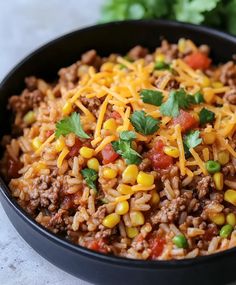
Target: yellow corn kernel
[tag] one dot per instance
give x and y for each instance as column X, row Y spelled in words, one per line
column 110, row 125
column 218, row 179
column 119, row 129
column 231, row 219
column 29, row 118
column 160, row 57
column 230, row 196
column 130, row 174
column 217, row 218
column 107, row 66
column 205, row 81
column 145, row 179
column 223, row 157
column 217, row 84
column 40, row 165
column 137, row 218
column 171, row 151
column 86, row 152
column 182, row 45
column 93, row 163
column 155, row 198
column 36, row 143
column 209, row 138
column 67, row 108
column 60, row 143
column 109, row 173
column 111, row 220
column 124, row 189
column 132, row 232
column 122, row 208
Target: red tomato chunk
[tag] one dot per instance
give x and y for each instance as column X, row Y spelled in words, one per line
column 198, row 60
column 159, row 159
column 186, row 121
column 98, row 245
column 108, row 154
column 156, row 244
column 75, row 148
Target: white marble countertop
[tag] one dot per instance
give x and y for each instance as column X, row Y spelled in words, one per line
column 24, row 26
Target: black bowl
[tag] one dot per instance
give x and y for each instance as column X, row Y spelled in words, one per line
column 83, row 263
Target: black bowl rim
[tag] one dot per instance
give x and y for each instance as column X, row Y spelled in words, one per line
column 60, row 241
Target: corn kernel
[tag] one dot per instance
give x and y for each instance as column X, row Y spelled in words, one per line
column 145, row 179
column 132, row 232
column 29, row 118
column 67, row 108
column 218, row 179
column 171, row 151
column 124, row 189
column 36, row 143
column 110, row 125
column 60, row 144
column 230, row 196
column 111, row 220
column 217, row 84
column 130, row 174
column 137, row 218
column 93, row 163
column 209, row 138
column 86, row 152
column 107, row 66
column 109, row 173
column 217, row 218
column 120, row 129
column 155, row 198
column 122, row 208
column 231, row 219
column 205, row 81
column 223, row 157
column 182, row 45
column 160, row 57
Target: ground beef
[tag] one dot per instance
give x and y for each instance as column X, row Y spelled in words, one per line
column 229, row 169
column 68, row 76
column 91, row 58
column 227, row 73
column 93, row 104
column 230, row 96
column 31, row 83
column 169, row 50
column 26, row 101
column 145, row 164
column 137, row 52
column 203, row 186
column 170, row 210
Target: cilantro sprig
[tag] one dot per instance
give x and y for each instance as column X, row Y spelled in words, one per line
column 124, row 147
column 152, row 97
column 191, row 140
column 179, row 99
column 206, row 116
column 90, row 176
column 143, row 123
column 69, row 125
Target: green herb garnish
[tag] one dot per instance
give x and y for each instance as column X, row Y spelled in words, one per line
column 124, row 147
column 143, row 123
column 206, row 116
column 152, row 97
column 192, row 139
column 69, row 125
column 90, row 176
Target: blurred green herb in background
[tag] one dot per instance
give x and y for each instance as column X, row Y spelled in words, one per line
column 220, row 14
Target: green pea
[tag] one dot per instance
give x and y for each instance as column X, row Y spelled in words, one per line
column 225, row 231
column 213, row 166
column 180, row 241
column 29, row 118
column 159, row 65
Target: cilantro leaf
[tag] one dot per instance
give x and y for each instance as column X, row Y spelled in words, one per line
column 90, row 176
column 124, row 147
column 178, row 99
column 69, row 125
column 198, row 98
column 192, row 139
column 206, row 116
column 152, row 97
column 143, row 123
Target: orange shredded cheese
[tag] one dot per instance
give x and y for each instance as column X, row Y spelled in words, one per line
column 105, row 141
column 182, row 159
column 48, row 141
column 62, row 156
column 199, row 161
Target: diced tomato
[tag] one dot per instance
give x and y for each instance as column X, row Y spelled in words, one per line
column 198, row 60
column 13, row 167
column 75, row 148
column 156, row 244
column 159, row 159
column 186, row 121
column 97, row 245
column 49, row 133
column 108, row 154
column 115, row 115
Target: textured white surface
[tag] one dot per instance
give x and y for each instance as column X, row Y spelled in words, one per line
column 25, row 25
